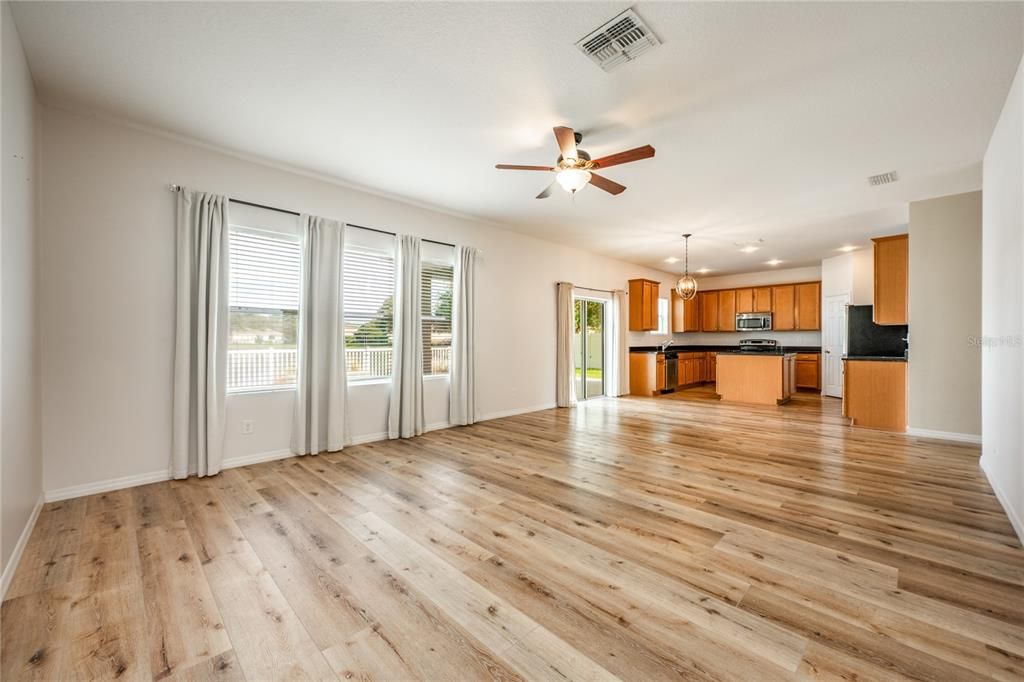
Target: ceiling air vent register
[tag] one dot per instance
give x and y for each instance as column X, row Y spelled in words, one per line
column 882, row 179
column 618, row 41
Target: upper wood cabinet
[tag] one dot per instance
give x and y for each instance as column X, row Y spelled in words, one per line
column 762, row 299
column 784, row 307
column 727, row 310
column 744, row 300
column 892, row 256
column 685, row 314
column 643, row 305
column 808, row 306
column 708, row 311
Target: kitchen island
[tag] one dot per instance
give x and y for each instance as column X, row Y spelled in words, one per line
column 759, row 378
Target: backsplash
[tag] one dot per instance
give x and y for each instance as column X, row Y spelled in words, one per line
column 867, row 338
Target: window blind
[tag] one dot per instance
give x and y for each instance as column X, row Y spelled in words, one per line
column 369, row 290
column 264, row 271
column 436, row 311
column 263, row 296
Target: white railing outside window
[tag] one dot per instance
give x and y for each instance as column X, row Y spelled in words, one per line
column 264, row 369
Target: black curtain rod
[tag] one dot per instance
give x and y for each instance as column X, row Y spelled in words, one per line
column 176, row 188
column 603, row 291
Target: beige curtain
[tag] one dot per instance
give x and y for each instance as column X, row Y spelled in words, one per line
column 620, row 349
column 462, row 391
column 320, row 418
column 405, row 409
column 201, row 334
column 565, row 386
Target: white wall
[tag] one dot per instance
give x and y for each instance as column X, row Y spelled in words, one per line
column 107, row 288
column 21, row 469
column 1002, row 309
column 945, row 315
column 754, row 279
column 863, row 288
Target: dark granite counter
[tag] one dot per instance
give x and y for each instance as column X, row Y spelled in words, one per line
column 877, row 358
column 721, row 349
column 769, row 353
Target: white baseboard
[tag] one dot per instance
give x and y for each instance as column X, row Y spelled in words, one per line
column 12, row 563
column 971, row 438
column 514, row 412
column 1016, row 519
column 240, row 461
column 106, row 486
column 369, row 438
column 245, row 460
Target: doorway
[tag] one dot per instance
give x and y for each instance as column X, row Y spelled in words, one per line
column 833, row 344
column 589, row 347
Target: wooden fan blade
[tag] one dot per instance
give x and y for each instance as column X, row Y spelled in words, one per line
column 547, row 190
column 510, row 166
column 566, row 142
column 607, row 185
column 645, row 152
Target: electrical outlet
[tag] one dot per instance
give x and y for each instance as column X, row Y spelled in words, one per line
column 247, row 427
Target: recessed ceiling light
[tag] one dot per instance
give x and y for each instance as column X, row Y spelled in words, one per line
column 750, row 248
column 704, row 271
column 847, row 249
column 773, row 261
column 671, row 259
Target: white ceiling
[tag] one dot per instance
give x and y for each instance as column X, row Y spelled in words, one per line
column 766, row 117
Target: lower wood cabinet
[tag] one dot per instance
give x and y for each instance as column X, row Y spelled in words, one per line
column 648, row 376
column 808, row 370
column 875, row 394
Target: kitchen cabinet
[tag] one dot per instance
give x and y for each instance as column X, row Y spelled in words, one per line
column 807, row 313
column 646, row 373
column 689, row 374
column 727, row 310
column 744, row 300
column 643, row 305
column 685, row 314
column 892, row 256
column 708, row 311
column 757, row 378
column 808, row 370
column 762, row 299
column 712, row 361
column 788, row 376
column 875, row 394
column 783, row 307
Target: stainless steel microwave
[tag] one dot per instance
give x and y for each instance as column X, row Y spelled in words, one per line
column 748, row 322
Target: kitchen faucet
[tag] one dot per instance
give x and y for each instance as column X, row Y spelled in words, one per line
column 666, row 344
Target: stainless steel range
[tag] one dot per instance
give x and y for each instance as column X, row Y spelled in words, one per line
column 758, row 345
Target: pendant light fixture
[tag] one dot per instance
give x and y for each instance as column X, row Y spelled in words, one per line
column 686, row 287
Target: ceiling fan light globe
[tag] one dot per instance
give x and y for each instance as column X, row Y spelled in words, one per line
column 573, row 180
column 686, row 287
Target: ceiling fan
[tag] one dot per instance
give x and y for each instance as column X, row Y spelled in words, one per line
column 574, row 167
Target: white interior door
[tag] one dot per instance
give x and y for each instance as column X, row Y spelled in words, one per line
column 833, row 344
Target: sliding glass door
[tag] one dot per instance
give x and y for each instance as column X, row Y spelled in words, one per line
column 589, row 348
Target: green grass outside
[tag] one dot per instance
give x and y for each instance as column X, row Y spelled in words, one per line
column 591, row 373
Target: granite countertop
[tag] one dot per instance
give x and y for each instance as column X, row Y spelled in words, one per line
column 877, row 358
column 771, row 353
column 721, row 349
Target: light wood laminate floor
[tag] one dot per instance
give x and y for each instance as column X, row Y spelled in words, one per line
column 640, row 538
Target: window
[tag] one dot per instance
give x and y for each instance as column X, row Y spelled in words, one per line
column 369, row 290
column 263, row 295
column 436, row 311
column 662, row 317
